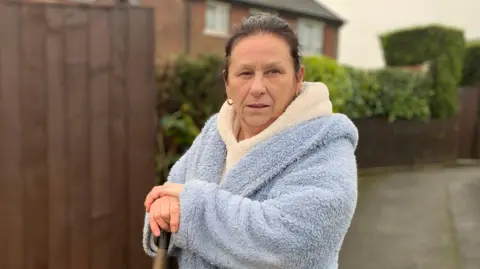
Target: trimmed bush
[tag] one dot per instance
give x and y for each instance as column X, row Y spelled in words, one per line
column 471, row 66
column 365, row 101
column 443, row 47
column 194, row 82
column 189, row 91
column 393, row 93
column 334, row 75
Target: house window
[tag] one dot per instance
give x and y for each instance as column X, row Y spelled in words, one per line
column 310, row 35
column 217, row 18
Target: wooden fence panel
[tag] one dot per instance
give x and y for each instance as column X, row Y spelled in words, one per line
column 34, row 134
column 57, row 147
column 141, row 151
column 100, row 58
column 468, row 116
column 118, row 141
column 77, row 135
column 12, row 185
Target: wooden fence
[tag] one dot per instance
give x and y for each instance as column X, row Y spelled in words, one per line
column 76, row 135
column 469, row 119
column 406, row 142
column 410, row 142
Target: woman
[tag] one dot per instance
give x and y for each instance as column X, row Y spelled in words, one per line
column 271, row 181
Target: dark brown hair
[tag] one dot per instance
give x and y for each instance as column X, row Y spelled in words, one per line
column 264, row 23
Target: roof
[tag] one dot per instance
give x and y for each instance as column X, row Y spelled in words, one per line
column 305, row 7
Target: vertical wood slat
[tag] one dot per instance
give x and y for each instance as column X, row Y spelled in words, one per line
column 141, row 124
column 57, row 149
column 11, row 182
column 99, row 72
column 76, row 57
column 118, row 142
column 141, row 129
column 34, row 135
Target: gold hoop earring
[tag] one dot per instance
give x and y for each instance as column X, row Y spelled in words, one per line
column 230, row 101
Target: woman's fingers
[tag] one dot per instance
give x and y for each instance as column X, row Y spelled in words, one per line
column 172, row 189
column 174, row 214
column 154, row 226
column 168, row 189
column 153, row 195
column 161, row 222
column 165, row 209
column 157, row 215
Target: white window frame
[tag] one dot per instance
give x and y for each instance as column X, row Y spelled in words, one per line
column 217, row 18
column 311, row 35
column 255, row 11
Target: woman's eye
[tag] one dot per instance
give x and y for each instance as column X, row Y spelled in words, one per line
column 246, row 73
column 273, row 71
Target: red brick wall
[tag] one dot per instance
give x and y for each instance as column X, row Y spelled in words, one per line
column 201, row 42
column 216, row 44
column 169, row 26
column 330, row 41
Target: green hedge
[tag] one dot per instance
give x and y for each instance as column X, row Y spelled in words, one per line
column 189, row 91
column 334, row 75
column 393, row 93
column 471, row 66
column 443, row 47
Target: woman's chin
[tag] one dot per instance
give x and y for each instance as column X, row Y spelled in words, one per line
column 258, row 121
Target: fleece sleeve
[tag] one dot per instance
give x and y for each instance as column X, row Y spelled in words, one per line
column 303, row 227
column 177, row 175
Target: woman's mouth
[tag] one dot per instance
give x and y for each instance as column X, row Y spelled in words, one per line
column 257, row 105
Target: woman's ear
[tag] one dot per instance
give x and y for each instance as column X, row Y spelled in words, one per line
column 299, row 77
column 300, row 74
column 225, row 77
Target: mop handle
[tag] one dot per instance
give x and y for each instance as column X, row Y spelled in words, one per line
column 161, row 261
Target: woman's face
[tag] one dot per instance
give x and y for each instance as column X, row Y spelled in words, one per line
column 261, row 79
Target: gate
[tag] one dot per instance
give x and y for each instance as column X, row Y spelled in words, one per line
column 77, row 135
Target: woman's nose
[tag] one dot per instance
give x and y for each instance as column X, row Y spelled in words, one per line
column 258, row 87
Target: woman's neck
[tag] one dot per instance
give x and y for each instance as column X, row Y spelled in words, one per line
column 246, row 132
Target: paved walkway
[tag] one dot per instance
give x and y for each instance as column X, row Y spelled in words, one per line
column 426, row 219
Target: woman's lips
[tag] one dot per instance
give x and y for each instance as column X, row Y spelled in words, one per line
column 257, row 105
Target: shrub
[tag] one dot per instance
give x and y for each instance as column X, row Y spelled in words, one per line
column 405, row 94
column 189, row 91
column 365, row 101
column 334, row 75
column 394, row 93
column 443, row 47
column 471, row 66
column 195, row 82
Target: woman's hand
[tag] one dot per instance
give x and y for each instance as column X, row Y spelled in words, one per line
column 168, row 189
column 165, row 215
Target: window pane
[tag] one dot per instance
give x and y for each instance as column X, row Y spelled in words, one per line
column 308, row 38
column 310, row 35
column 210, row 17
column 319, row 39
column 225, row 19
column 303, row 36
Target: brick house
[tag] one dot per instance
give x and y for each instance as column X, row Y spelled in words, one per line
column 197, row 26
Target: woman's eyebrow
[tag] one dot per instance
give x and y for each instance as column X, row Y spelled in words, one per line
column 267, row 65
column 272, row 64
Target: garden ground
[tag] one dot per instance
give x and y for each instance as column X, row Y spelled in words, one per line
column 428, row 218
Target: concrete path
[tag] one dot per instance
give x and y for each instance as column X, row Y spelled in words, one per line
column 428, row 219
